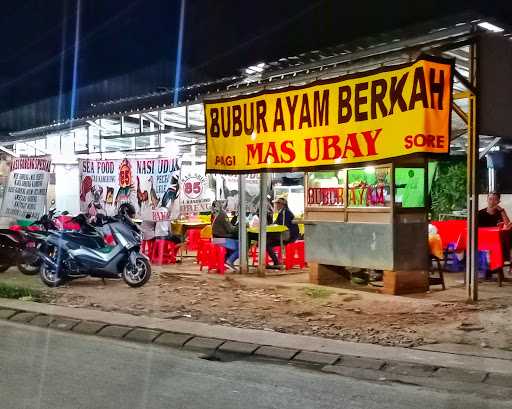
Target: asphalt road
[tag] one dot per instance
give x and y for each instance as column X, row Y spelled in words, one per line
column 46, row 369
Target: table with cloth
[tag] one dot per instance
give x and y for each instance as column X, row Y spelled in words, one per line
column 491, row 239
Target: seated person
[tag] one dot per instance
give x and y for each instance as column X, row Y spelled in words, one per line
column 494, row 215
column 222, row 228
column 162, row 229
column 285, row 218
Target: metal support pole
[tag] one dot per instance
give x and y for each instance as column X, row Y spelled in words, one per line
column 472, row 162
column 242, row 230
column 89, row 140
column 262, row 242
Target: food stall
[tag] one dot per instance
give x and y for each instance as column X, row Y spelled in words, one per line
column 371, row 216
column 364, row 140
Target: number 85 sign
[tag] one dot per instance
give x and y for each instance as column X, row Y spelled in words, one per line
column 193, row 187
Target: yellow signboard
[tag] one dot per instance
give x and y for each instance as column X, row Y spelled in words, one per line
column 390, row 112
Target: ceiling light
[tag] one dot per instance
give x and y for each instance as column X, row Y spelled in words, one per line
column 490, row 27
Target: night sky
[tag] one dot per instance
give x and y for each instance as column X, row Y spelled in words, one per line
column 221, row 36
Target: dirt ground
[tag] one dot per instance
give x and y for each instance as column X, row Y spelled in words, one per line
column 287, row 303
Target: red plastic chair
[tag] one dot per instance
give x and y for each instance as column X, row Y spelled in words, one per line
column 192, row 239
column 295, row 255
column 217, row 259
column 147, row 247
column 253, row 253
column 277, row 250
column 164, row 252
column 16, row 227
column 203, row 253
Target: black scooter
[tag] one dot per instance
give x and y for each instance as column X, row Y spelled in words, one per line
column 69, row 255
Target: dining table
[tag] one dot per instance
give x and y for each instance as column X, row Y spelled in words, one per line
column 180, row 227
column 271, row 229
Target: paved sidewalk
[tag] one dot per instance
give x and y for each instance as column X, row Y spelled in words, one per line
column 449, row 367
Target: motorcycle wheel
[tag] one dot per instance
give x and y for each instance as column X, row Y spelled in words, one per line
column 49, row 277
column 29, row 269
column 137, row 275
column 4, row 267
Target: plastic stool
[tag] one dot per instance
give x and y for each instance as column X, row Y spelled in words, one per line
column 147, row 247
column 192, row 239
column 295, row 255
column 452, row 263
column 203, row 253
column 277, row 250
column 483, row 263
column 217, row 259
column 164, row 252
column 253, row 254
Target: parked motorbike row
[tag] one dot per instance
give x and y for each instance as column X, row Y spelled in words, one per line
column 63, row 248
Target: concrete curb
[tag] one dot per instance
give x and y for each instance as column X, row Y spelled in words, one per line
column 337, row 357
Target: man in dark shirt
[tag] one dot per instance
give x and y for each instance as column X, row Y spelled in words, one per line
column 285, row 218
column 493, row 215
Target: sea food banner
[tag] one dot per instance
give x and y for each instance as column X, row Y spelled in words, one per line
column 27, row 188
column 152, row 186
column 380, row 114
column 196, row 195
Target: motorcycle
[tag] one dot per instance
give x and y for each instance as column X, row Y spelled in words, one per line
column 18, row 245
column 15, row 251
column 70, row 255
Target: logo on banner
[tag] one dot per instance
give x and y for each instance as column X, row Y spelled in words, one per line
column 193, row 186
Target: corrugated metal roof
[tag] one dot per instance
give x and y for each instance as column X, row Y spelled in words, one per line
column 365, row 53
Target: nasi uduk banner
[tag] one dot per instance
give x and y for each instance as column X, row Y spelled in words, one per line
column 27, row 188
column 196, row 195
column 385, row 113
column 152, row 186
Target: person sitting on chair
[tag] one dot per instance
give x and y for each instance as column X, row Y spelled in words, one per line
column 285, row 218
column 162, row 230
column 223, row 229
column 494, row 215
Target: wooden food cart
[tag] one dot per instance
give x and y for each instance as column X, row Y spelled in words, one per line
column 371, row 216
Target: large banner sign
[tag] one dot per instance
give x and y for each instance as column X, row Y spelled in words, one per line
column 151, row 185
column 227, row 192
column 27, row 188
column 380, row 114
column 196, row 195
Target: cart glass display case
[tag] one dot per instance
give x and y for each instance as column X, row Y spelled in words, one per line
column 370, row 216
